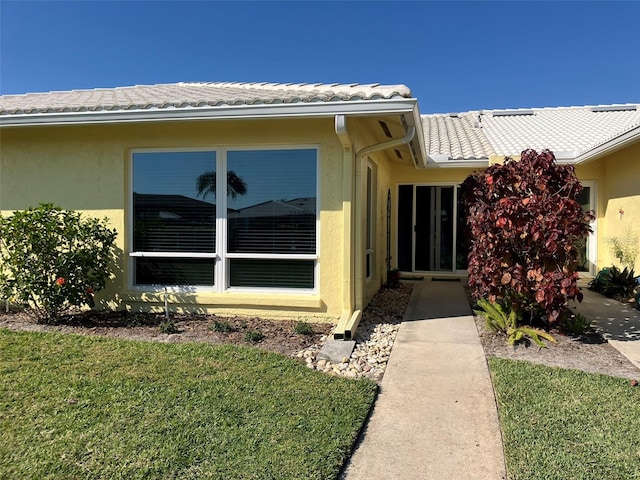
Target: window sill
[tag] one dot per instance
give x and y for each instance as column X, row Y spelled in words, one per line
column 228, row 299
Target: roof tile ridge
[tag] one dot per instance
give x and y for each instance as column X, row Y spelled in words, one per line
column 352, row 89
column 468, row 121
column 455, row 140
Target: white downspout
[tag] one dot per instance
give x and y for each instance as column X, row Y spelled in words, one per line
column 360, row 212
column 353, row 229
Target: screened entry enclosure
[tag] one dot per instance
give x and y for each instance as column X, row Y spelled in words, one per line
column 260, row 233
column 430, row 229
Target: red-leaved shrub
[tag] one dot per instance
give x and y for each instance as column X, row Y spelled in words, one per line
column 523, row 224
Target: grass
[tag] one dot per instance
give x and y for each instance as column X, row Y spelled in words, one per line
column 76, row 407
column 566, row 424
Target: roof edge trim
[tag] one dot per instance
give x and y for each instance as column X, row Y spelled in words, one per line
column 438, row 160
column 282, row 110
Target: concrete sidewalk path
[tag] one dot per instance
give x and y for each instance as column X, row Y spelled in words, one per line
column 618, row 323
column 435, row 417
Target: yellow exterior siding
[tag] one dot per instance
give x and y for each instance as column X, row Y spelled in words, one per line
column 86, row 168
column 621, row 187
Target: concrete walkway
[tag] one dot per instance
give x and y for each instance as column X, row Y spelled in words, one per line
column 435, row 417
column 617, row 322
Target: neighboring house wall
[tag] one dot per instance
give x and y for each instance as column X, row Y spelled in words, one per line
column 87, row 168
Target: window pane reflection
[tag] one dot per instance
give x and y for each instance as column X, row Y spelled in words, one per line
column 277, row 212
column 173, row 195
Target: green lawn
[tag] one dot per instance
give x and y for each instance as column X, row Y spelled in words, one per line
column 567, row 424
column 76, row 407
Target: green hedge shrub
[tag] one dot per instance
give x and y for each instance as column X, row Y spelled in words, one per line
column 53, row 259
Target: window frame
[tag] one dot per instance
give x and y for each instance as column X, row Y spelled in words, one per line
column 371, row 208
column 221, row 256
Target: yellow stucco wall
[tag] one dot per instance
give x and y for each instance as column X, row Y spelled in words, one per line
column 87, row 168
column 620, row 191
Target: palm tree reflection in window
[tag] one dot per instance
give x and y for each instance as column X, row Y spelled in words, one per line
column 206, row 184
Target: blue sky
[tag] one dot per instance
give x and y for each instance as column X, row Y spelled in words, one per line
column 455, row 56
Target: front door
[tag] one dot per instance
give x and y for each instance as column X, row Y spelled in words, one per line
column 427, row 228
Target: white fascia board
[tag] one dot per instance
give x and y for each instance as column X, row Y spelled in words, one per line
column 618, row 143
column 280, row 110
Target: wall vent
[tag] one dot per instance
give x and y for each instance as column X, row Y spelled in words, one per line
column 385, row 128
column 398, row 154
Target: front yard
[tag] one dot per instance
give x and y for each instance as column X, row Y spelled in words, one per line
column 90, row 407
column 566, row 424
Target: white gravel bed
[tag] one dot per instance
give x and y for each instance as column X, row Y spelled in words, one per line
column 375, row 336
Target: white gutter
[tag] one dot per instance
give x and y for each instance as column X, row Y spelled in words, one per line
column 360, row 214
column 353, row 231
column 411, row 131
column 281, row 110
column 439, row 160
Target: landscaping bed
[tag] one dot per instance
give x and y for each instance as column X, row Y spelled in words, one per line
column 278, row 335
column 589, row 352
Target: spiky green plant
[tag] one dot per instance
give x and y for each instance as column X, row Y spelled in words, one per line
column 505, row 321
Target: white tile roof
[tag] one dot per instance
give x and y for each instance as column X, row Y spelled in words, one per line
column 456, row 136
column 567, row 131
column 189, row 95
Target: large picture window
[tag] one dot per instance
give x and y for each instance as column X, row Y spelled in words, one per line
column 266, row 220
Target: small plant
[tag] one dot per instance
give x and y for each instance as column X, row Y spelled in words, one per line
column 626, row 247
column 576, row 323
column 393, row 280
column 169, row 327
column 253, row 336
column 495, row 317
column 506, row 323
column 54, row 260
column 221, row 326
column 303, row 328
column 614, row 283
column 136, row 320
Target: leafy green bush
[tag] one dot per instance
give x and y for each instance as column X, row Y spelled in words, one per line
column 303, row 328
column 168, row 327
column 221, row 326
column 253, row 336
column 54, row 259
column 499, row 319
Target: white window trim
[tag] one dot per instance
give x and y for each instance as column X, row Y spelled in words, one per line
column 222, row 257
column 592, row 240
